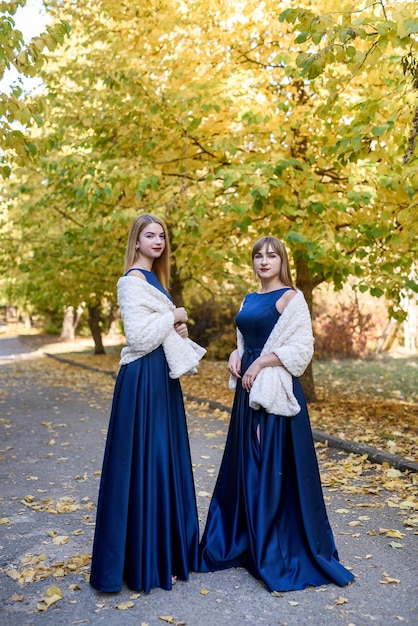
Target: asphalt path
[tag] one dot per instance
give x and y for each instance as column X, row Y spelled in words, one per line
column 53, row 420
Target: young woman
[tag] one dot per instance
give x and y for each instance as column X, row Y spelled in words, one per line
column 147, row 526
column 267, row 511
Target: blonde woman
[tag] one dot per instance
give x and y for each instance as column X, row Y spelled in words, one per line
column 146, row 525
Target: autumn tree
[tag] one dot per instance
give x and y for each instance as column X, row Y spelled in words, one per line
column 215, row 118
column 15, row 113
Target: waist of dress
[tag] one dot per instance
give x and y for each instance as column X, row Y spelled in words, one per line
column 252, row 351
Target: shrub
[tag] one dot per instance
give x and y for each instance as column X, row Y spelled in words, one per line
column 344, row 328
column 212, row 324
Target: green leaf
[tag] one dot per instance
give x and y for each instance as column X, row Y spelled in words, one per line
column 302, row 58
column 378, row 131
column 410, row 26
column 376, row 292
column 302, row 37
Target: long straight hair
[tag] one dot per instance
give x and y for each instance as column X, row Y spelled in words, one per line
column 160, row 266
column 278, row 247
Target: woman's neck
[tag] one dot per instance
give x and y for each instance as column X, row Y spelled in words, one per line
column 144, row 264
column 271, row 285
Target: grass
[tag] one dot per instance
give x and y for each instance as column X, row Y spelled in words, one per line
column 390, row 377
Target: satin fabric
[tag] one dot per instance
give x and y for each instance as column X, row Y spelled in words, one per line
column 146, row 523
column 267, row 511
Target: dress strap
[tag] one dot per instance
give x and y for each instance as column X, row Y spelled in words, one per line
column 135, row 268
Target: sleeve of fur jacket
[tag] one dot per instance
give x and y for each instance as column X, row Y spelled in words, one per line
column 183, row 355
column 147, row 315
column 148, row 320
column 292, row 338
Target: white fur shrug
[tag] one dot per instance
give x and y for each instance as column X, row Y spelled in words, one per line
column 148, row 321
column 292, row 341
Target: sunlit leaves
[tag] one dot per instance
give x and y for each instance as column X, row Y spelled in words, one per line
column 27, row 59
column 210, row 122
column 344, row 46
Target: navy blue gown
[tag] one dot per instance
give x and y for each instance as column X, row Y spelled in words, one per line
column 267, row 512
column 146, row 524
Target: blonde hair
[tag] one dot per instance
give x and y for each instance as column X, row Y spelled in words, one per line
column 278, row 247
column 161, row 266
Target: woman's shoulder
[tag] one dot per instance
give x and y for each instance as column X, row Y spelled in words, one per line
column 285, row 298
column 136, row 272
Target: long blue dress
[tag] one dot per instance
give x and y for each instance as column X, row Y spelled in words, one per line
column 267, row 512
column 146, row 524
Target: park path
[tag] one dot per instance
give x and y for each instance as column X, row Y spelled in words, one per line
column 53, row 419
column 12, row 349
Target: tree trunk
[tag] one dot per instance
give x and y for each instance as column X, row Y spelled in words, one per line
column 70, row 322
column 306, row 284
column 94, row 323
column 386, row 340
column 68, row 330
column 410, row 326
column 112, row 320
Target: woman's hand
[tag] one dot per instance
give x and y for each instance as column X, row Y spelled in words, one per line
column 181, row 329
column 251, row 374
column 234, row 364
column 180, row 315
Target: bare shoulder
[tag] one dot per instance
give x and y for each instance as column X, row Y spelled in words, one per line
column 137, row 273
column 284, row 300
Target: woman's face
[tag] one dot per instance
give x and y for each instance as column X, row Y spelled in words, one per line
column 151, row 241
column 267, row 263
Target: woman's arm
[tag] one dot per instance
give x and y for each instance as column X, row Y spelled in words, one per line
column 266, row 360
column 234, row 364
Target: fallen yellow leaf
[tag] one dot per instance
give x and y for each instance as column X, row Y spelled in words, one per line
column 53, row 595
column 53, row 590
column 389, row 580
column 122, row 606
column 12, row 573
column 45, row 603
column 393, row 534
column 393, row 473
column 17, row 597
column 60, row 540
column 58, row 572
